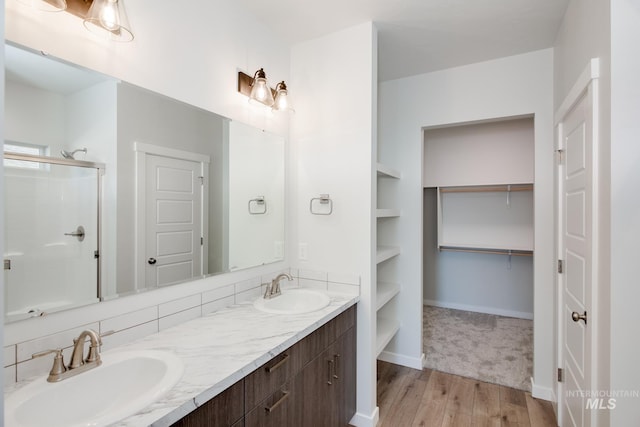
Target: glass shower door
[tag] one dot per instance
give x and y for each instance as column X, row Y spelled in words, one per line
column 51, row 237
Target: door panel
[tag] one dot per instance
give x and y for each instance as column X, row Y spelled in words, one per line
column 576, row 249
column 173, row 220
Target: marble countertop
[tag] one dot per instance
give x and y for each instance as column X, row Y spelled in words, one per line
column 221, row 348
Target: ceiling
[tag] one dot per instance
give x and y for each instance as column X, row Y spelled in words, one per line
column 420, row 36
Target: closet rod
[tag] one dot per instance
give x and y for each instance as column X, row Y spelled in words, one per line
column 488, row 188
column 487, row 251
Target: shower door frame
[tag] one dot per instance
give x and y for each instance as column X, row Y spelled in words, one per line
column 100, row 167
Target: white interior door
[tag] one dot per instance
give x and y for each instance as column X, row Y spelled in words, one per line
column 173, row 230
column 576, row 250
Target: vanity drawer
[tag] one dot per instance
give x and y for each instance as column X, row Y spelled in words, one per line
column 265, row 380
column 277, row 410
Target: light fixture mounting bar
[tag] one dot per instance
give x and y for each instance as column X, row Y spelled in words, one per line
column 78, row 8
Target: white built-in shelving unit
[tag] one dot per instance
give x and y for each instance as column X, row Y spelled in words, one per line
column 387, row 316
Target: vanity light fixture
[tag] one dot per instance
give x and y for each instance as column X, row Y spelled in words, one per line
column 106, row 18
column 258, row 90
column 109, row 19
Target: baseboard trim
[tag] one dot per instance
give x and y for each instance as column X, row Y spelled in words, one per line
column 481, row 309
column 401, row 359
column 544, row 393
column 362, row 420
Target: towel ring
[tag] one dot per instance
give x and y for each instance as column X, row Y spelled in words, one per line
column 324, row 199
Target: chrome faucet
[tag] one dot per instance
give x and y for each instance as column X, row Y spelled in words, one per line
column 273, row 288
column 78, row 363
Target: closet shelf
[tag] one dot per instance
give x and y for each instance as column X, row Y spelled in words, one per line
column 492, row 251
column 383, row 253
column 487, row 188
column 386, row 171
column 387, row 213
column 385, row 291
column 386, row 330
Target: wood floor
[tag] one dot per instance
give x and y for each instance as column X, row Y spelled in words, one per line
column 408, row 397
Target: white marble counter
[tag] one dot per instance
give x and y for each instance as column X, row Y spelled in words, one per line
column 221, row 348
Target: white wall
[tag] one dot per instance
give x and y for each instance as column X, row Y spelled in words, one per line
column 625, row 207
column 585, row 33
column 256, row 168
column 512, row 86
column 332, row 146
column 2, row 93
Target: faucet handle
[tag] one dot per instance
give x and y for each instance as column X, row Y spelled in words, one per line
column 58, row 363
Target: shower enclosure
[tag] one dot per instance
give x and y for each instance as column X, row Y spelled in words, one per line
column 52, row 234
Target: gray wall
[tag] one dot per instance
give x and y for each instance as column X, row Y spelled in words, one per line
column 469, row 281
column 147, row 117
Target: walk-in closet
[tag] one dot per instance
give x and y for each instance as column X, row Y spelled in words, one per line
column 478, row 250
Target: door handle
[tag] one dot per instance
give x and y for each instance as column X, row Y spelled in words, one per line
column 152, row 261
column 78, row 233
column 576, row 317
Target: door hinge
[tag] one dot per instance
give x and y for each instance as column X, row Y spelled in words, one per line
column 201, row 178
column 7, row 264
column 560, row 156
column 201, row 241
column 560, row 375
column 96, row 254
column 560, row 266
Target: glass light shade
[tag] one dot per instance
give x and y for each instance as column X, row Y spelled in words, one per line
column 281, row 101
column 260, row 90
column 45, row 5
column 108, row 19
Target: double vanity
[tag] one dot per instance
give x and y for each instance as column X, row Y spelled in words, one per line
column 245, row 365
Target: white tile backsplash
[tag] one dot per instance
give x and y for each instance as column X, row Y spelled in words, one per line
column 178, row 305
column 129, row 320
column 217, row 294
column 342, row 288
column 9, row 375
column 313, row 275
column 247, row 285
column 9, row 355
column 347, row 279
column 181, row 317
column 126, row 336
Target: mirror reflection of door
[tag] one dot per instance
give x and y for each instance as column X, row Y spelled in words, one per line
column 174, row 235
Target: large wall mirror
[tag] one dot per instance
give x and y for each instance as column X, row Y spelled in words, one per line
column 111, row 189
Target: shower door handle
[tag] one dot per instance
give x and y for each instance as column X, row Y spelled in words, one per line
column 152, row 261
column 79, row 233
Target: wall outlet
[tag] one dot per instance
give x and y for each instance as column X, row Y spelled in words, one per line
column 303, row 251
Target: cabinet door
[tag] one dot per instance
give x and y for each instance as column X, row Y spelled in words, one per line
column 345, row 368
column 319, row 403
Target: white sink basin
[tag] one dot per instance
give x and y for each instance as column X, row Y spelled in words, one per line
column 125, row 383
column 293, row 301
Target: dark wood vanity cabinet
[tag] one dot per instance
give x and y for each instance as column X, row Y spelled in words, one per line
column 313, row 383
